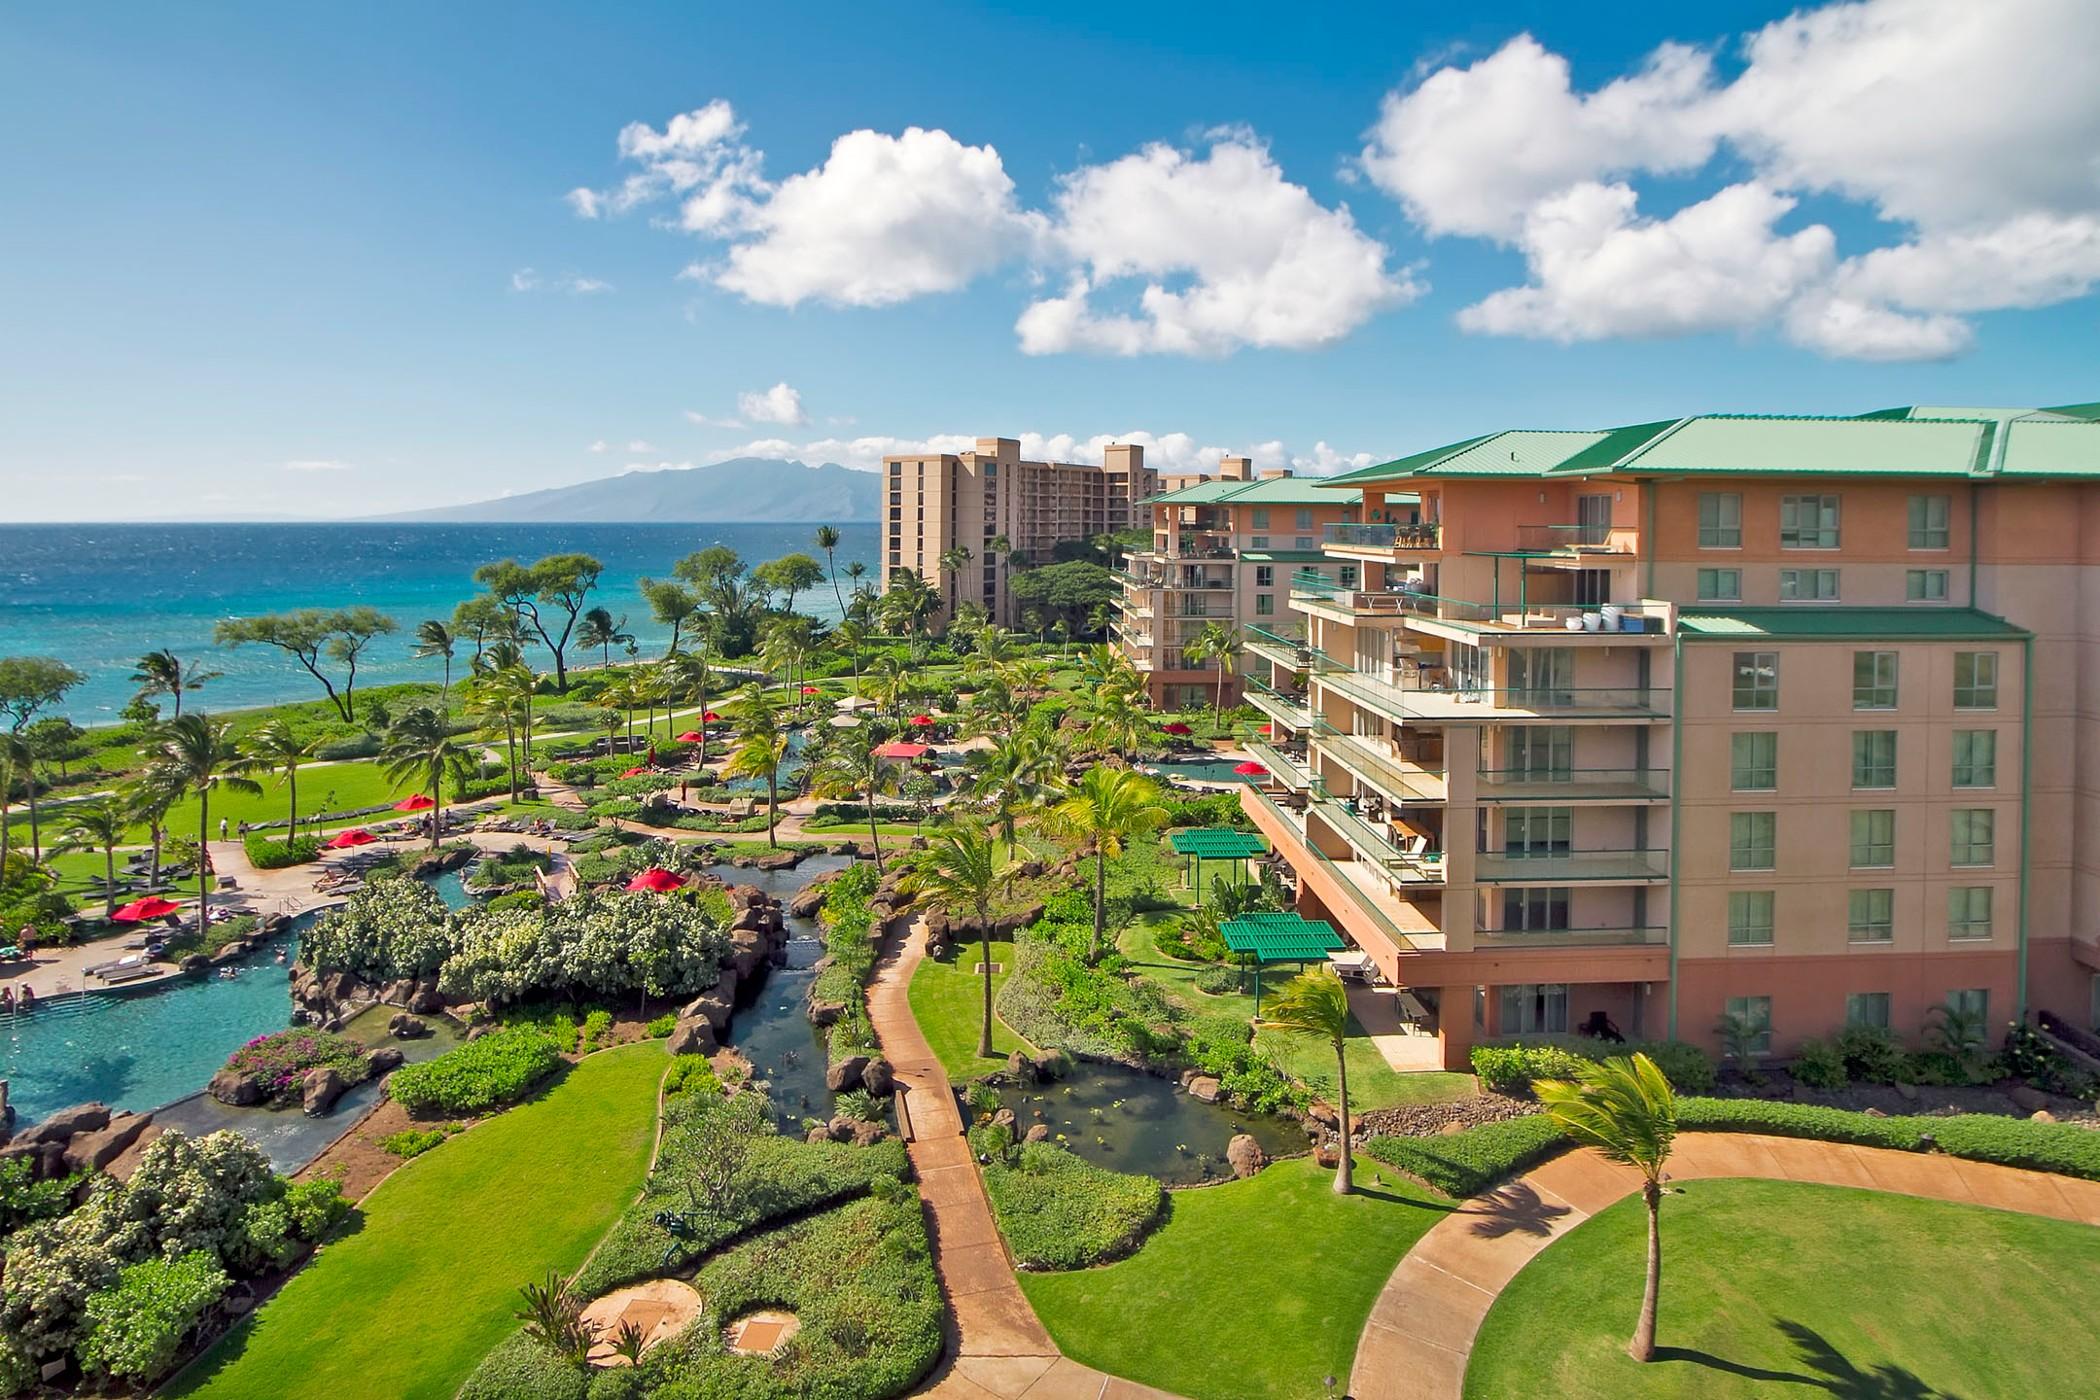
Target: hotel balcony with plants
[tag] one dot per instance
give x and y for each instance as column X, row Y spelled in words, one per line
column 1532, row 608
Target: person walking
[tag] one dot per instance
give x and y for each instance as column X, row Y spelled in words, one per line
column 222, row 828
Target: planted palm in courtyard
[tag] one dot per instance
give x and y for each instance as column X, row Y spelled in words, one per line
column 1102, row 811
column 165, row 673
column 761, row 752
column 99, row 826
column 435, row 638
column 277, row 748
column 196, row 754
column 419, row 749
column 1316, row 1006
column 849, row 771
column 1624, row 1108
column 962, row 873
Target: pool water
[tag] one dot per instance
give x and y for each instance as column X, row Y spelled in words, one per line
column 1131, row 1121
column 771, row 1026
column 1198, row 770
column 789, row 770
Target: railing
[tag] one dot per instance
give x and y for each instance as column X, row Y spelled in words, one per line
column 1511, row 614
column 1387, row 773
column 1143, row 609
column 1133, row 579
column 1488, row 939
column 1592, row 538
column 1492, row 702
column 1133, row 636
column 1296, row 822
column 1411, row 867
column 1286, row 649
column 1187, row 585
column 1278, row 704
column 1184, row 550
column 1288, row 769
column 1426, row 535
column 1493, row 867
column 1517, row 784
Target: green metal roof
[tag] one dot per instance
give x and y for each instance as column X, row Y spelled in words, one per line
column 1217, row 843
column 2050, row 447
column 1847, row 624
column 1405, row 466
column 1285, row 937
column 1816, row 447
column 1269, row 491
column 1285, row 556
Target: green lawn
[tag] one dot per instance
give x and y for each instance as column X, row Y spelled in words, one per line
column 1251, row 1290
column 947, row 999
column 1782, row 1288
column 410, row 1303
column 1372, row 1082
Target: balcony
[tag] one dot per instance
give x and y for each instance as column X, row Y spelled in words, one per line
column 1488, row 940
column 1556, row 867
column 1578, row 539
column 1498, row 704
column 1402, row 924
column 1411, row 864
column 1286, row 707
column 1134, row 580
column 1372, row 763
column 1133, row 635
column 1185, row 584
column 1520, row 615
column 1384, row 539
column 1633, row 785
column 1285, row 649
column 1286, row 767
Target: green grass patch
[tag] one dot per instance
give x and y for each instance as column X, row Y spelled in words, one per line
column 1253, row 1289
column 947, row 1000
column 409, row 1304
column 1058, row 1212
column 1780, row 1287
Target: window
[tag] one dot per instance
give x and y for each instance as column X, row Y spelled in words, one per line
column 1808, row 522
column 1537, row 831
column 1720, row 520
column 1304, row 520
column 1261, row 518
column 1969, row 911
column 1532, row 1008
column 1972, row 1002
column 1304, row 542
column 1975, row 758
column 1749, row 918
column 1543, row 908
column 1870, row 916
column 1542, row 753
column 1808, row 585
column 1974, row 836
column 1258, row 542
column 1753, row 761
column 1873, row 758
column 1265, row 605
column 1542, row 675
column 1976, row 680
column 1720, row 585
column 1752, row 839
column 1925, row 585
column 1348, row 578
column 1867, row 1009
column 1264, row 575
column 1873, row 680
column 1928, row 522
column 1873, row 838
column 1755, row 1014
column 1757, row 680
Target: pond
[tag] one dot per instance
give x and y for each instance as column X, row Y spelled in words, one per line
column 771, row 1026
column 1131, row 1121
column 1196, row 770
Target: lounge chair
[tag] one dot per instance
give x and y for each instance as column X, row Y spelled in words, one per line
column 130, row 974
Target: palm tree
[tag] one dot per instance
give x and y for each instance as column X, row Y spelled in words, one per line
column 17, row 765
column 434, row 638
column 1098, row 620
column 855, row 572
column 1624, row 1108
column 149, row 803
column 1315, row 1006
column 761, row 752
column 600, row 629
column 954, row 559
column 889, row 684
column 275, row 748
column 501, row 698
column 828, row 541
column 910, row 601
column 164, row 673
column 853, row 770
column 196, row 754
column 99, row 826
column 1215, row 643
column 1018, row 771
column 850, row 636
column 963, row 872
column 692, row 673
column 419, row 750
column 1106, row 808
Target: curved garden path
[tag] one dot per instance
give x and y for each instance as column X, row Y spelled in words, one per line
column 997, row 1348
column 1420, row 1332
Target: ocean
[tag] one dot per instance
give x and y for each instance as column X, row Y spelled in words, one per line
column 99, row 596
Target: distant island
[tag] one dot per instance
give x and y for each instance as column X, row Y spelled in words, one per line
column 761, row 490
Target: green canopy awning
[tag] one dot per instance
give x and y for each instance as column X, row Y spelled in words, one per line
column 1274, row 937
column 1217, row 843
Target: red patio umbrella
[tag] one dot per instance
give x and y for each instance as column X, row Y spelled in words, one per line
column 355, row 836
column 1250, row 769
column 1175, row 726
column 709, row 718
column 809, row 690
column 656, row 880
column 635, row 772
column 692, row 736
column 921, row 721
column 417, row 803
column 152, row 907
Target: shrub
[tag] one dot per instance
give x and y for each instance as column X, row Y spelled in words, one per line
column 691, row 1074
column 268, row 853
column 524, row 1368
column 863, row 1107
column 1872, row 1054
column 596, row 1026
column 1689, row 1069
column 1510, row 1068
column 25, row 1200
column 1058, row 1211
column 480, row 1074
column 2063, row 1148
column 1218, row 981
column 280, row 1061
column 356, row 746
column 135, row 1330
column 1820, row 1065
column 662, row 1026
column 414, row 1142
column 1467, row 1163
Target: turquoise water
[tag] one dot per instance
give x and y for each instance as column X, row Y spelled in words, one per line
column 97, row 596
column 789, row 770
column 1199, row 770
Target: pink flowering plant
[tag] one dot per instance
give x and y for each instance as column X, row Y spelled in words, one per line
column 281, row 1060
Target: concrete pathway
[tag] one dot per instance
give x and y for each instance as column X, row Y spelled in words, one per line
column 1421, row 1330
column 997, row 1348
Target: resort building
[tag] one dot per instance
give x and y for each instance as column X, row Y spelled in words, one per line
column 1768, row 718
column 1224, row 549
column 995, row 505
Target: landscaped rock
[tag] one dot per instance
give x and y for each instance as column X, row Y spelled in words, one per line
column 397, row 993
column 1037, row 1132
column 1327, row 1153
column 385, row 1059
column 1205, row 1088
column 1324, row 1114
column 879, row 1078
column 99, row 1148
column 841, row 1128
column 820, row 1133
column 2041, row 1115
column 426, row 999
column 693, row 1035
column 713, row 1006
column 2027, row 1098
column 195, row 962
column 63, row 1125
column 1021, row 1066
column 1245, row 1155
column 1907, row 1092
column 823, row 1014
column 866, row 1134
column 232, row 1087
column 323, row 1087
column 403, row 1026
column 846, row 1074
column 1052, row 1065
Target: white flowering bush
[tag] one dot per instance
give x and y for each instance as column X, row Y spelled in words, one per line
column 135, row 1330
column 388, row 930
column 592, row 945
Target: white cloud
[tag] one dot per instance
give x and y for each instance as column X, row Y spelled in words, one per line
column 601, row 445
column 639, row 446
column 701, row 420
column 527, row 279
column 1259, row 260
column 779, row 404
column 1973, row 131
column 316, row 464
column 524, row 280
column 585, row 286
column 1164, row 452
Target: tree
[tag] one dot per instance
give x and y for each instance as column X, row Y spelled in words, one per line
column 1221, row 644
column 907, row 605
column 17, row 765
column 1315, row 1006
column 310, row 634
column 711, row 569
column 690, row 672
column 196, row 755
column 29, row 684
column 789, row 574
column 852, row 770
column 501, row 698
column 434, row 638
column 149, row 804
column 1070, row 591
column 98, row 826
column 1624, row 1108
column 602, row 630
column 828, row 541
column 1105, row 809
column 672, row 604
column 276, row 748
column 164, row 673
column 1014, row 776
column 961, row 873
column 849, row 637
column 954, row 559
column 559, row 583
column 419, row 749
column 56, row 739
column 481, row 620
column 762, row 750
column 1101, row 618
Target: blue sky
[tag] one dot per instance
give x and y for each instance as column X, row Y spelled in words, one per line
column 275, row 260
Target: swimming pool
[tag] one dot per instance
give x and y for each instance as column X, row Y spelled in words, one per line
column 790, row 768
column 1198, row 770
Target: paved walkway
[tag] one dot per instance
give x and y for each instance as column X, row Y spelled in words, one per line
column 997, row 1348
column 1421, row 1330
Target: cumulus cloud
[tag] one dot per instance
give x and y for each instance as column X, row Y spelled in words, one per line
column 780, row 404
column 701, row 420
column 1164, row 452
column 1971, row 131
column 601, row 446
column 527, row 279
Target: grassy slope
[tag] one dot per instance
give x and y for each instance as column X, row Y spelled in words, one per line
column 410, row 1304
column 1272, row 1276
column 947, row 1000
column 1773, row 1286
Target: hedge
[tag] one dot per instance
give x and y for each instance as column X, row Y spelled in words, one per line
column 1467, row 1163
column 1059, row 1212
column 482, row 1074
column 1510, row 1068
column 266, row 853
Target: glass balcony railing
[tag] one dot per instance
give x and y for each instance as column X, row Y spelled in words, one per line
column 1284, row 705
column 1571, row 784
column 1136, row 636
column 1364, row 901
column 1577, row 539
column 1185, row 584
column 1439, row 703
column 1289, row 650
column 1425, row 535
column 1493, row 938
column 1373, row 764
column 1412, row 863
column 1135, row 580
column 1518, row 614
column 1570, row 867
column 1287, row 767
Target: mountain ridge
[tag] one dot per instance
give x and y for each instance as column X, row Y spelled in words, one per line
column 743, row 490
